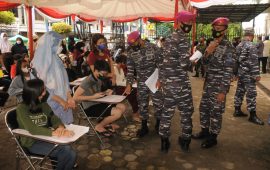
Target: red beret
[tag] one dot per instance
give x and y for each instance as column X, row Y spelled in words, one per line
column 132, row 37
column 185, row 16
column 221, row 21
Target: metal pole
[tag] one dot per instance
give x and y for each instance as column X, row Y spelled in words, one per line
column 30, row 30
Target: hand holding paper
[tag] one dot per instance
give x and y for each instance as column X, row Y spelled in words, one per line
column 196, row 56
column 152, row 80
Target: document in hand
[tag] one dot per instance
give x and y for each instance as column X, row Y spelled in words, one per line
column 78, row 132
column 110, row 99
column 152, row 80
column 196, row 56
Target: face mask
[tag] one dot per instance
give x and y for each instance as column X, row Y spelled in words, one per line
column 100, row 77
column 25, row 70
column 18, row 42
column 186, row 28
column 136, row 47
column 216, row 34
column 102, row 47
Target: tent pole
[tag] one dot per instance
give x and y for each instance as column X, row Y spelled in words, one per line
column 101, row 26
column 193, row 30
column 175, row 12
column 30, row 30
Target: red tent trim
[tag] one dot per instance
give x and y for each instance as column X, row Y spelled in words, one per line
column 7, row 6
column 53, row 13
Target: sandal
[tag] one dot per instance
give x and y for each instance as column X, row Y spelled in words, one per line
column 110, row 128
column 104, row 133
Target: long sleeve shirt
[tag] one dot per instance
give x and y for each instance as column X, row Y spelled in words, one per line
column 220, row 66
column 36, row 124
column 248, row 64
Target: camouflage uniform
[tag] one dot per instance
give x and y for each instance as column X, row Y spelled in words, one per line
column 176, row 84
column 220, row 66
column 248, row 70
column 144, row 62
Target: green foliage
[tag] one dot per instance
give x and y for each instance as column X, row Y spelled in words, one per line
column 6, row 17
column 61, row 28
column 164, row 29
column 205, row 30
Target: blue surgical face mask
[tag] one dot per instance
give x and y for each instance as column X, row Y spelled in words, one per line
column 102, row 47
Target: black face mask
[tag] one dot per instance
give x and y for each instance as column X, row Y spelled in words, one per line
column 136, row 47
column 216, row 34
column 100, row 77
column 186, row 28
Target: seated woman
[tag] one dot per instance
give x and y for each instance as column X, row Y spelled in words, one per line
column 121, row 83
column 22, row 74
column 35, row 116
column 90, row 89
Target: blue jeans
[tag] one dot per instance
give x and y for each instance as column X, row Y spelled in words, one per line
column 64, row 154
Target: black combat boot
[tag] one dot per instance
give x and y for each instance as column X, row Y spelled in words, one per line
column 184, row 143
column 210, row 141
column 202, row 134
column 144, row 129
column 238, row 112
column 254, row 119
column 165, row 144
column 157, row 125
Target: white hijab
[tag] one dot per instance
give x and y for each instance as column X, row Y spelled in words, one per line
column 5, row 45
column 49, row 66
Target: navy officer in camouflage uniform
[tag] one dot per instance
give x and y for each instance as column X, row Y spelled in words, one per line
column 142, row 58
column 219, row 57
column 174, row 81
column 248, row 74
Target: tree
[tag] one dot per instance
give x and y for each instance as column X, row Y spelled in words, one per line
column 6, row 17
column 61, row 28
column 205, row 30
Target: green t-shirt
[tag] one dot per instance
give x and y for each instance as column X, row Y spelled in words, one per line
column 36, row 124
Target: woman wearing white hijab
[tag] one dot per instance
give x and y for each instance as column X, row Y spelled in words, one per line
column 5, row 52
column 51, row 70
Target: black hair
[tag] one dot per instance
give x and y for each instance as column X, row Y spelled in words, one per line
column 101, row 65
column 32, row 89
column 19, row 68
column 79, row 45
column 121, row 59
column 64, row 47
column 95, row 39
column 18, row 56
column 267, row 37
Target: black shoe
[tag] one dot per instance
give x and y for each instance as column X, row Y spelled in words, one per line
column 157, row 125
column 165, row 144
column 238, row 112
column 254, row 118
column 202, row 134
column 184, row 143
column 144, row 129
column 209, row 142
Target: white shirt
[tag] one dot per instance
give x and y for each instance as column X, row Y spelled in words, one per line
column 120, row 76
column 266, row 49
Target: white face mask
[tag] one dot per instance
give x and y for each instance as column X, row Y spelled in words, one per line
column 25, row 70
column 18, row 42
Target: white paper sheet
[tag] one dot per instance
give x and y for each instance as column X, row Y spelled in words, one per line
column 152, row 80
column 77, row 81
column 78, row 132
column 110, row 99
column 196, row 56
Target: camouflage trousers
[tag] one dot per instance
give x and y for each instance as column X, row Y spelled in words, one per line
column 143, row 100
column 181, row 97
column 211, row 111
column 246, row 86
